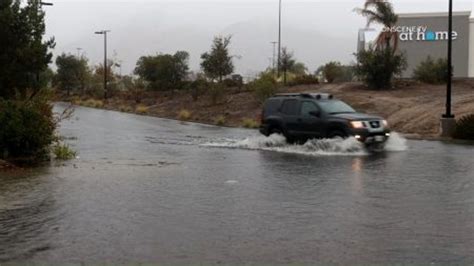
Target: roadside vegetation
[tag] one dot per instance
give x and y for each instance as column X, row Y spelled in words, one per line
column 432, row 71
column 465, row 128
column 28, row 124
column 378, row 65
column 163, row 84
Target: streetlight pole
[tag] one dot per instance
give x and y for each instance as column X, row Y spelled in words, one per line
column 79, row 52
column 274, row 56
column 104, row 32
column 448, row 121
column 279, row 40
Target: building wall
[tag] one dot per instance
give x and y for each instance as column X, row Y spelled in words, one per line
column 418, row 50
column 471, row 50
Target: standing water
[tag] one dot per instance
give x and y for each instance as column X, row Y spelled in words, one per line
column 154, row 190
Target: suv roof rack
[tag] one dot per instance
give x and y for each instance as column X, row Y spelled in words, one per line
column 317, row 96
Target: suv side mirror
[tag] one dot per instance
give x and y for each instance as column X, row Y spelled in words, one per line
column 315, row 113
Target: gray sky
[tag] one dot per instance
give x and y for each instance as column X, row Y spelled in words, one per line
column 317, row 31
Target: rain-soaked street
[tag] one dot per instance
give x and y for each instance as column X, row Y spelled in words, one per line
column 153, row 190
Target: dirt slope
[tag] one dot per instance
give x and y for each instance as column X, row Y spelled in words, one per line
column 411, row 108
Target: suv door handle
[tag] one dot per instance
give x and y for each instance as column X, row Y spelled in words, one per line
column 299, row 120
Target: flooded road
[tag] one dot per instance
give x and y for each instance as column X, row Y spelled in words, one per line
column 153, row 190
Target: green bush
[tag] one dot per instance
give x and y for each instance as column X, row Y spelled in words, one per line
column 332, row 71
column 377, row 68
column 432, row 71
column 265, row 86
column 198, row 87
column 63, row 152
column 216, row 92
column 235, row 81
column 304, row 80
column 27, row 129
column 465, row 128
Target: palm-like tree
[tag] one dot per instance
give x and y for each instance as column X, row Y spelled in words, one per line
column 381, row 12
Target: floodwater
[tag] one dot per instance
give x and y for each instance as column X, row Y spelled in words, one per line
column 154, row 190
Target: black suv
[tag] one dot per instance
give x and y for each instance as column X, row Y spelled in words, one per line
column 305, row 116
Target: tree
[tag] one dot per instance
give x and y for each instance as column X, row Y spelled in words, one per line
column 73, row 72
column 299, row 69
column 23, row 53
column 286, row 62
column 27, row 122
column 382, row 12
column 378, row 67
column 217, row 63
column 332, row 71
column 163, row 71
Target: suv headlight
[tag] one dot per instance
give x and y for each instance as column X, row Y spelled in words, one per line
column 385, row 123
column 358, row 124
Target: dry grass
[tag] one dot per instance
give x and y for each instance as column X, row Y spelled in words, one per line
column 184, row 115
column 220, row 120
column 250, row 123
column 91, row 103
column 142, row 109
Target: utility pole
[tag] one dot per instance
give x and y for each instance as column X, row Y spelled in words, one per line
column 104, row 32
column 279, row 40
column 274, row 55
column 448, row 121
column 79, row 52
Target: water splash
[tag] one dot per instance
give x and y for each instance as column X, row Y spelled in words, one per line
column 277, row 143
column 396, row 143
column 315, row 147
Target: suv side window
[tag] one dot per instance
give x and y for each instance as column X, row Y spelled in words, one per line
column 307, row 108
column 271, row 106
column 290, row 107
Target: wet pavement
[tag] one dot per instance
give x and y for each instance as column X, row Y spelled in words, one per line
column 153, row 190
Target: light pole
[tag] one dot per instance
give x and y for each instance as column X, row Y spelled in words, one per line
column 104, row 32
column 279, row 40
column 79, row 52
column 448, row 121
column 274, row 56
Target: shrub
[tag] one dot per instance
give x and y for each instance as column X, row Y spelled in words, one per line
column 432, row 71
column 125, row 109
column 93, row 103
column 465, row 128
column 142, row 109
column 184, row 115
column 377, row 68
column 63, row 152
column 220, row 120
column 235, row 81
column 216, row 92
column 304, row 80
column 198, row 87
column 264, row 87
column 27, row 129
column 332, row 71
column 249, row 123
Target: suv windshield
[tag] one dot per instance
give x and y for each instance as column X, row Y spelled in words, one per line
column 335, row 107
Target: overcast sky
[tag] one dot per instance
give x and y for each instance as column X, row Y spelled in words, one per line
column 317, row 31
